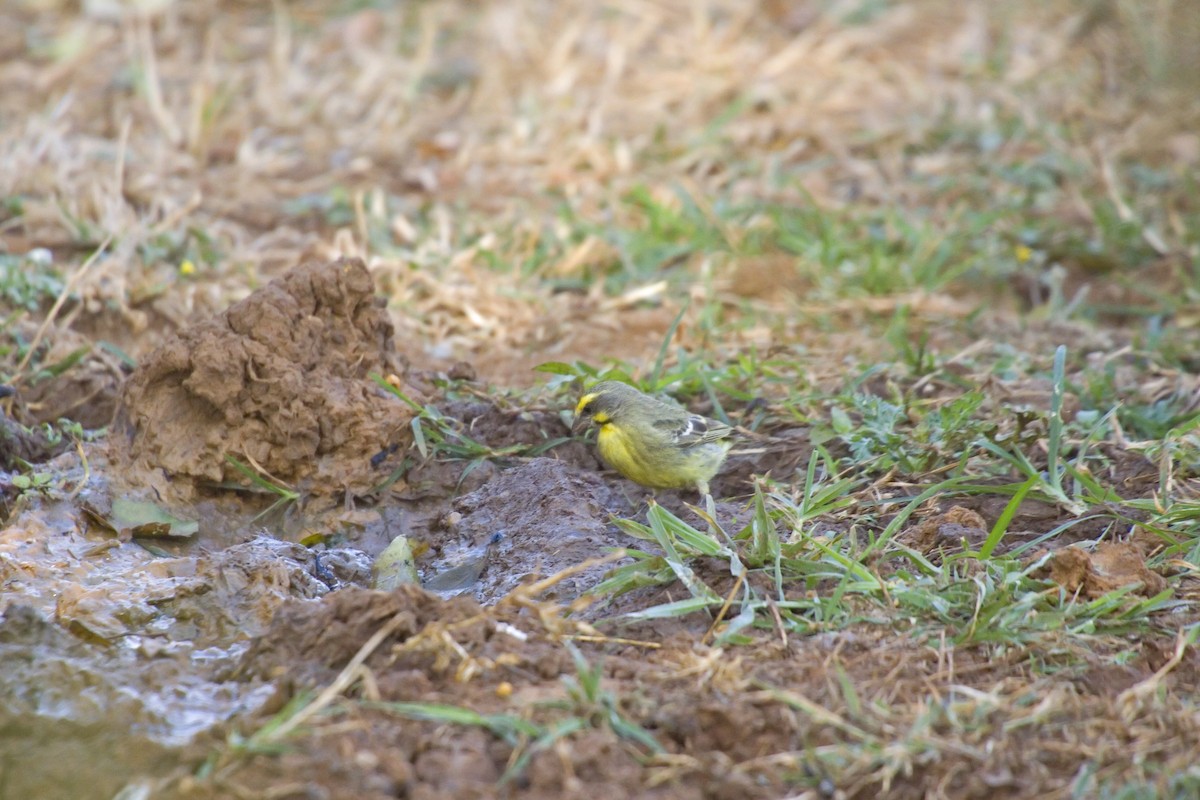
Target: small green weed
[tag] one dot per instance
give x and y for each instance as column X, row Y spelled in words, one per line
column 284, row 494
column 882, row 436
column 190, row 245
column 27, row 282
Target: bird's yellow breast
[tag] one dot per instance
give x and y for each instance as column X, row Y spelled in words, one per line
column 657, row 468
column 625, row 455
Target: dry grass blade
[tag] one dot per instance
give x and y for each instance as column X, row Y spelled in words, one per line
column 527, row 593
column 816, row 711
column 737, row 585
column 618, row 640
column 344, row 680
column 1132, row 699
column 158, row 109
column 19, row 372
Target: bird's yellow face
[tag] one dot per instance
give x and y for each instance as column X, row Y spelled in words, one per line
column 587, row 413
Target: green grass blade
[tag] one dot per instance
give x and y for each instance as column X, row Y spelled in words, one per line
column 656, row 373
column 679, row 608
column 1006, row 517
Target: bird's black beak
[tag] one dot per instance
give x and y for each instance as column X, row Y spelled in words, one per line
column 580, row 425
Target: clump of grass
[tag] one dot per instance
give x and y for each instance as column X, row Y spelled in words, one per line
column 882, row 436
column 825, row 575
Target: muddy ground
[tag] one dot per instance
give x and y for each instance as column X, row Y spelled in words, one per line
column 109, row 633
column 274, row 281
column 135, row 657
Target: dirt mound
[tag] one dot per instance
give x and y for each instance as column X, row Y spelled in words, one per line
column 279, row 381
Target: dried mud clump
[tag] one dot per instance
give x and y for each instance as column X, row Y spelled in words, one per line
column 1112, row 566
column 946, row 532
column 279, row 381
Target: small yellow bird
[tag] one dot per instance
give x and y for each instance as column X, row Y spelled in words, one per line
column 650, row 441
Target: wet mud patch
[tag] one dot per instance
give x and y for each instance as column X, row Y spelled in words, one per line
column 550, row 515
column 279, row 381
column 78, row 719
column 539, row 518
column 116, row 658
column 105, row 589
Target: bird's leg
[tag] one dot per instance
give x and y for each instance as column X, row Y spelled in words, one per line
column 628, row 498
column 651, row 499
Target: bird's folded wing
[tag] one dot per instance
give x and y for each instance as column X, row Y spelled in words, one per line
column 694, row 430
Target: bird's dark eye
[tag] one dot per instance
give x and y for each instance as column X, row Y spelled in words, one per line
column 588, row 409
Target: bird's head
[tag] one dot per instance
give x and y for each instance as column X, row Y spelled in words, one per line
column 600, row 404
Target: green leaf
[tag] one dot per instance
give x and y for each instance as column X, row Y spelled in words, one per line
column 679, row 608
column 143, row 516
column 662, row 351
column 419, row 437
column 556, row 368
column 395, row 566
column 1006, row 517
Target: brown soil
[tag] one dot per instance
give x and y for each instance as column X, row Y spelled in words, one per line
column 180, row 645
column 717, row 714
column 475, row 189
